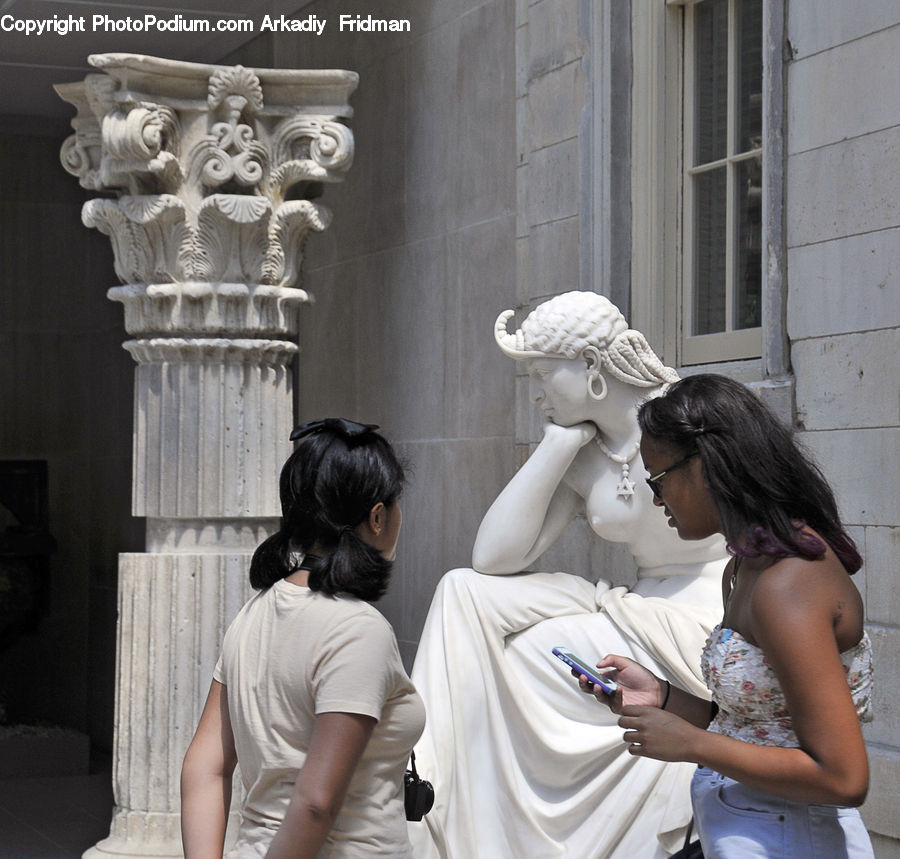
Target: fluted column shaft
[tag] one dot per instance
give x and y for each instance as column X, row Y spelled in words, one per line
column 214, row 171
column 212, row 421
column 171, row 606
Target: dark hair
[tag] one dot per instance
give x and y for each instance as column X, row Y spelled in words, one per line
column 765, row 487
column 328, row 486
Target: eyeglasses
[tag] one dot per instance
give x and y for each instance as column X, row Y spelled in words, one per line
column 652, row 480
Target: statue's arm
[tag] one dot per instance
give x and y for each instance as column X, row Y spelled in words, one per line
column 535, row 506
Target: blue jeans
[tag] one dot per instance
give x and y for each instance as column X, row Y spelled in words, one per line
column 733, row 820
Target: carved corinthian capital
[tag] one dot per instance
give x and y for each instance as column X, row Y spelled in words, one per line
column 215, row 167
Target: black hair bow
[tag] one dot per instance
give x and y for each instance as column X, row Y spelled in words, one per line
column 340, row 426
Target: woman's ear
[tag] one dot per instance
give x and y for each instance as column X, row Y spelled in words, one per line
column 377, row 518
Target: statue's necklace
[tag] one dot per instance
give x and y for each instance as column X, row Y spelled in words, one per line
column 625, row 487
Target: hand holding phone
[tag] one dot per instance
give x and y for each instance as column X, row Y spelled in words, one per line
column 593, row 675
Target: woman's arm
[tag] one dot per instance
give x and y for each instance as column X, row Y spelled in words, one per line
column 793, row 620
column 206, row 779
column 535, row 506
column 337, row 744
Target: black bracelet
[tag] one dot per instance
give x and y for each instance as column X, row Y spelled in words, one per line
column 666, row 696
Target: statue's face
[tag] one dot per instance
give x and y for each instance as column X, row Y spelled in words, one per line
column 559, row 386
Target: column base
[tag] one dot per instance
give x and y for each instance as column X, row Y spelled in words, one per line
column 150, row 836
column 154, row 835
column 117, row 848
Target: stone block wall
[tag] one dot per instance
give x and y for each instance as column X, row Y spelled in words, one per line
column 416, row 265
column 551, row 98
column 843, row 235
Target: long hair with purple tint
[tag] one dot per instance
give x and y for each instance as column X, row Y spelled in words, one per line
column 765, row 486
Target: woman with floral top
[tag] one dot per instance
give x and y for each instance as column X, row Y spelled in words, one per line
column 780, row 753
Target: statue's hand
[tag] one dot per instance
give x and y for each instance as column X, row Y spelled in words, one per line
column 577, row 435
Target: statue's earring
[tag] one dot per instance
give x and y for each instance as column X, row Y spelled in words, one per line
column 592, row 392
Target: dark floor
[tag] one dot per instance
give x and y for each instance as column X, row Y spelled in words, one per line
column 55, row 817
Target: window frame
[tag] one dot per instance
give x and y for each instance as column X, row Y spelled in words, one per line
column 730, row 344
column 658, row 68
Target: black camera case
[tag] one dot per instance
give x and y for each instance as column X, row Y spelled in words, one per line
column 418, row 794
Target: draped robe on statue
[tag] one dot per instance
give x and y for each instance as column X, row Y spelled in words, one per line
column 523, row 764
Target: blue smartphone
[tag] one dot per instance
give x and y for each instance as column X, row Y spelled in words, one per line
column 592, row 674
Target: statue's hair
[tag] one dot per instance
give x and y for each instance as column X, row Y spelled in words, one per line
column 565, row 325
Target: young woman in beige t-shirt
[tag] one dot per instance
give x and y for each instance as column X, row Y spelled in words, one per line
column 309, row 694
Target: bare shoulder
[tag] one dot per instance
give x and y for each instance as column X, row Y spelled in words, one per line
column 800, row 578
column 809, row 592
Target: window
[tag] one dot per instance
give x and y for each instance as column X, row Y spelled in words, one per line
column 721, row 278
column 708, row 255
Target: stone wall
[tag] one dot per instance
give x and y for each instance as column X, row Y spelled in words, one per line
column 418, row 262
column 843, row 232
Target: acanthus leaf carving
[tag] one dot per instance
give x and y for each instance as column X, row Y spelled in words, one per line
column 239, row 208
column 147, row 233
column 288, row 230
column 231, row 237
column 192, row 308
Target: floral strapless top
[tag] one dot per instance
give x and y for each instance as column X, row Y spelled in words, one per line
column 751, row 702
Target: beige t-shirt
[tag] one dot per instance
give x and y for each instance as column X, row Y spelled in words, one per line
column 290, row 654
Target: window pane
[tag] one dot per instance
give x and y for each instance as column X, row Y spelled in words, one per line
column 750, row 75
column 749, row 259
column 711, row 80
column 709, row 251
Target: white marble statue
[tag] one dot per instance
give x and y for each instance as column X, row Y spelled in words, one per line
column 523, row 764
